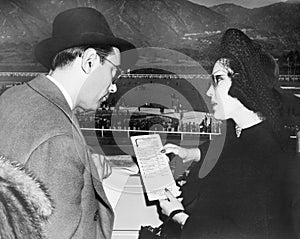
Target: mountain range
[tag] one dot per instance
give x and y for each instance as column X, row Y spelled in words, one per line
column 177, row 24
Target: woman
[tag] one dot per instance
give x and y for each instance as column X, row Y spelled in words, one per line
column 243, row 196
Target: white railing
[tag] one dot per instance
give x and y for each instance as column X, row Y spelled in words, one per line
column 289, row 78
column 145, row 76
column 19, row 74
column 128, row 131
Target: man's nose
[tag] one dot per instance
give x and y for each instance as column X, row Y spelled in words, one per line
column 112, row 88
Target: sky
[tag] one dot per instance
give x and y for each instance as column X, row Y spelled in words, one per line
column 243, row 3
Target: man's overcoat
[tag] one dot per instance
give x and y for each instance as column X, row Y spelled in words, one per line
column 38, row 128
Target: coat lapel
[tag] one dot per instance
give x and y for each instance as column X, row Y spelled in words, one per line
column 50, row 91
column 93, row 170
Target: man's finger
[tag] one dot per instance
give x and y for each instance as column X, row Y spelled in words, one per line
column 108, row 170
column 106, row 166
column 96, row 160
column 102, row 165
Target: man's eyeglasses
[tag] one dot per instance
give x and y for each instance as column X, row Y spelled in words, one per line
column 118, row 69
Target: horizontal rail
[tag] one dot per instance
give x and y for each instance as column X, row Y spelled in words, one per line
column 144, row 76
column 150, row 131
column 181, row 133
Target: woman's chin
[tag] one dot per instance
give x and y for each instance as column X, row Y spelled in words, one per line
column 219, row 116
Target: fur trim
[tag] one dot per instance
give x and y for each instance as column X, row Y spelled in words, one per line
column 25, row 202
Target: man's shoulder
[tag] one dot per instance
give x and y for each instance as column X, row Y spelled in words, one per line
column 17, row 94
column 13, row 91
column 22, row 107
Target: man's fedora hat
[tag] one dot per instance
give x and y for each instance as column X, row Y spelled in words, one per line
column 78, row 27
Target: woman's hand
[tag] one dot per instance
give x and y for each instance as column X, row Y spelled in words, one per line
column 171, row 204
column 187, row 155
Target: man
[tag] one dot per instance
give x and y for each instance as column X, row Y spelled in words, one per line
column 39, row 129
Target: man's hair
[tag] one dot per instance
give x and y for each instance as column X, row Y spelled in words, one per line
column 67, row 56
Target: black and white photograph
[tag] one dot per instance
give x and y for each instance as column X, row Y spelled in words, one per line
column 216, row 83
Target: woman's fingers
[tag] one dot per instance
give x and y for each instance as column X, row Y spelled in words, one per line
column 170, row 148
column 169, row 195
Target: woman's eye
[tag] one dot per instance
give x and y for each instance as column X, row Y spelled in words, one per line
column 216, row 80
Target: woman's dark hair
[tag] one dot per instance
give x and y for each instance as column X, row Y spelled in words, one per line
column 67, row 56
column 254, row 84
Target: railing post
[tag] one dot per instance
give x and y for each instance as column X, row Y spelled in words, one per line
column 298, row 142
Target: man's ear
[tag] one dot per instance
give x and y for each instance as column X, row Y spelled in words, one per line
column 89, row 58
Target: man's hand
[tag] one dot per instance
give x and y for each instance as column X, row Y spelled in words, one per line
column 187, row 155
column 103, row 167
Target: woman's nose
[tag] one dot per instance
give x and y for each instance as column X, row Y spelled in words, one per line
column 210, row 91
column 112, row 88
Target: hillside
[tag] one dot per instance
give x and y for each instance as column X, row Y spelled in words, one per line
column 276, row 25
column 162, row 23
column 235, row 14
column 176, row 24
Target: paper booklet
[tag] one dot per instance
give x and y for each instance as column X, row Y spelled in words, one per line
column 154, row 166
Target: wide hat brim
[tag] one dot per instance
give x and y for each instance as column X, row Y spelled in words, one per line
column 48, row 48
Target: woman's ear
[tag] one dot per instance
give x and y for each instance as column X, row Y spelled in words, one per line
column 89, row 58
